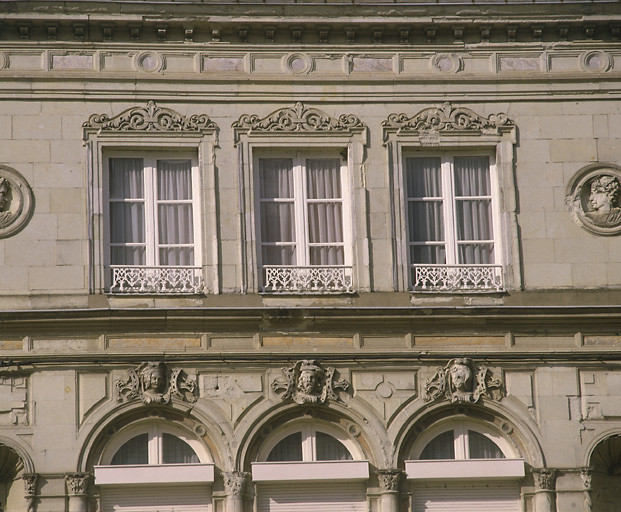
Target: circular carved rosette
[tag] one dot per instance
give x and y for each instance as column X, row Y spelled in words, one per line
column 446, row 63
column 297, row 63
column 149, row 62
column 16, row 201
column 595, row 61
column 594, row 198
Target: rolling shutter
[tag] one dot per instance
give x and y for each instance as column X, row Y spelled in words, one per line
column 499, row 497
column 312, row 497
column 156, row 498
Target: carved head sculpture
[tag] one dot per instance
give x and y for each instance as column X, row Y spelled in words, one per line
column 461, row 375
column 604, row 191
column 4, row 192
column 310, row 379
column 153, row 378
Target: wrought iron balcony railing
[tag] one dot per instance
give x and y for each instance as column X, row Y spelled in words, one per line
column 156, row 280
column 457, row 278
column 307, row 280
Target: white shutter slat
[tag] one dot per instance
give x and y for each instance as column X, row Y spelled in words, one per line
column 467, row 497
column 160, row 498
column 315, row 497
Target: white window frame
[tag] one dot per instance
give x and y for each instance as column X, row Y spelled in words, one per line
column 150, row 160
column 301, row 201
column 500, row 146
column 449, row 200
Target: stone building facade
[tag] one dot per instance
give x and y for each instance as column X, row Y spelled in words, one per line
column 308, row 255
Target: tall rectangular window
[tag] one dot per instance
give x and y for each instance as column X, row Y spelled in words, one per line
column 153, row 223
column 303, row 223
column 450, row 204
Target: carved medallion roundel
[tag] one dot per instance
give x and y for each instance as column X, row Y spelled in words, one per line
column 16, row 201
column 594, row 198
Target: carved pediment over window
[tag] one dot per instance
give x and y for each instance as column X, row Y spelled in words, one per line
column 149, row 119
column 155, row 382
column 298, row 119
column 461, row 380
column 307, row 382
column 448, row 119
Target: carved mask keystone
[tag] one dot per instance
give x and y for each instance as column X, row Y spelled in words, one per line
column 155, row 382
column 307, row 382
column 462, row 381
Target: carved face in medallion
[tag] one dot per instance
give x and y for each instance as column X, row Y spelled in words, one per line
column 4, row 192
column 154, row 378
column 604, row 191
column 461, row 377
column 308, row 381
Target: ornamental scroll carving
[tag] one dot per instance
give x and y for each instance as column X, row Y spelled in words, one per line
column 155, row 382
column 594, row 198
column 298, row 119
column 448, row 119
column 462, row 381
column 149, row 119
column 307, row 382
column 16, row 201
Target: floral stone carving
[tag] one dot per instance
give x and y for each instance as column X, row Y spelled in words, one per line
column 77, row 483
column 389, row 479
column 593, row 196
column 462, row 381
column 155, row 382
column 448, row 118
column 544, row 478
column 307, row 382
column 16, row 201
column 149, row 119
column 297, row 119
column 235, row 482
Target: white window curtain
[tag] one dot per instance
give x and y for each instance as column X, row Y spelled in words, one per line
column 177, row 451
column 449, row 199
column 174, row 215
column 482, row 447
column 329, row 448
column 127, row 212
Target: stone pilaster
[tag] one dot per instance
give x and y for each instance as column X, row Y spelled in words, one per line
column 545, row 493
column 30, row 490
column 389, row 480
column 235, row 488
column 77, row 489
column 586, row 474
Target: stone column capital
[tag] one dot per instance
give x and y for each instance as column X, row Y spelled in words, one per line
column 77, row 483
column 389, row 479
column 545, row 478
column 586, row 474
column 235, row 482
column 30, row 484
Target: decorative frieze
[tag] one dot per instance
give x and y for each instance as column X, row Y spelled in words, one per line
column 297, row 119
column 155, row 382
column 545, row 478
column 593, row 198
column 448, row 119
column 462, row 381
column 149, row 119
column 77, row 483
column 308, row 382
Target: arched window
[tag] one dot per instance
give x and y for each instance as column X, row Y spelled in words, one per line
column 461, row 442
column 309, row 444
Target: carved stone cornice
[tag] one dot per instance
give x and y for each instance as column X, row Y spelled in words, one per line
column 30, row 484
column 297, row 119
column 149, row 119
column 389, row 479
column 447, row 119
column 308, row 382
column 235, row 482
column 155, row 382
column 545, row 478
column 462, row 381
column 77, row 483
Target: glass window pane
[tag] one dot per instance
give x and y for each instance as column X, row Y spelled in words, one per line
column 426, row 221
column 323, row 178
column 177, row 451
column 476, row 254
column 288, row 449
column 329, row 448
column 176, row 256
column 472, row 176
column 277, row 222
column 126, row 178
column 127, row 255
column 423, row 177
column 482, row 447
column 474, row 219
column 134, row 451
column 325, row 222
column 127, row 223
column 327, row 255
column 278, row 255
column 440, row 447
column 429, row 254
column 276, row 178
column 175, row 224
column 174, row 179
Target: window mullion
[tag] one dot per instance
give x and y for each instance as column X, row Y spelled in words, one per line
column 150, row 194
column 308, row 444
column 462, row 451
column 300, row 209
column 448, row 200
